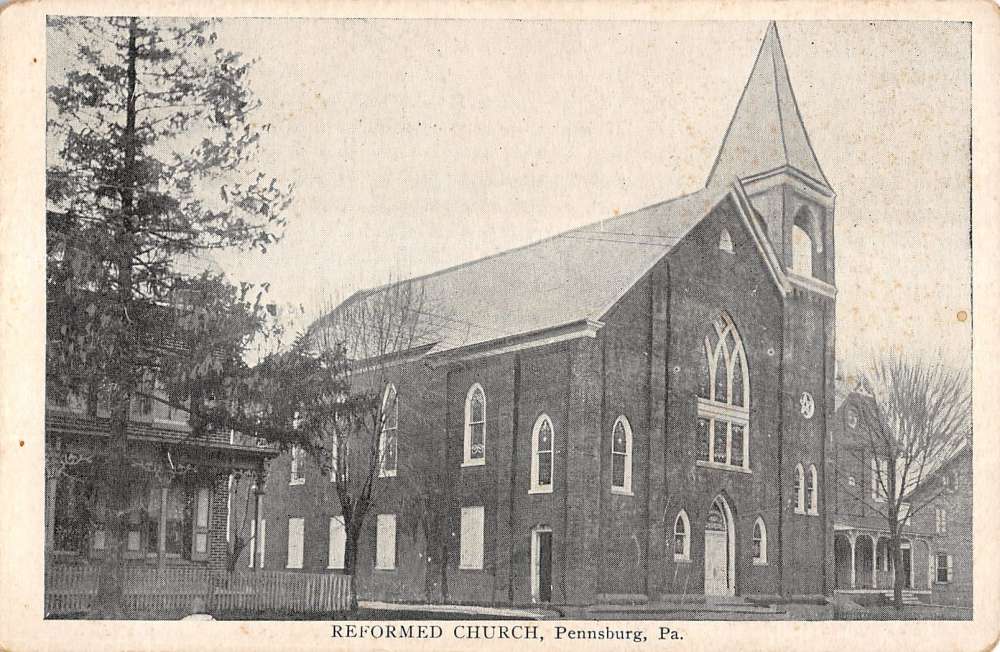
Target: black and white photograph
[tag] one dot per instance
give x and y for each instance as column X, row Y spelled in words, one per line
column 370, row 320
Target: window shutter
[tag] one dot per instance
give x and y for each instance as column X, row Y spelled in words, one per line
column 253, row 543
column 949, row 568
column 385, row 542
column 262, row 548
column 471, row 556
column 199, row 539
column 296, row 528
column 338, row 542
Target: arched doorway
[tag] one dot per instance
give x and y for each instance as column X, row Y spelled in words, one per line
column 720, row 550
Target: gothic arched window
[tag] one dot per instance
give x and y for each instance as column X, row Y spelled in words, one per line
column 724, row 414
column 759, row 542
column 621, row 457
column 800, row 490
column 542, row 456
column 682, row 537
column 813, row 490
column 475, row 426
column 388, row 444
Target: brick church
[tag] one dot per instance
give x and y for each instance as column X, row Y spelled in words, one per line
column 631, row 409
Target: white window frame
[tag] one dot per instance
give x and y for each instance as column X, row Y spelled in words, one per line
column 949, row 568
column 682, row 517
column 295, row 475
column 625, row 489
column 467, row 459
column 535, row 487
column 725, row 412
column 336, row 560
column 759, row 527
column 390, row 390
column 800, row 489
column 471, row 541
column 385, row 541
column 291, row 562
column 813, row 491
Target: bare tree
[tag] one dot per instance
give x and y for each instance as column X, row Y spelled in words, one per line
column 916, row 413
column 348, row 413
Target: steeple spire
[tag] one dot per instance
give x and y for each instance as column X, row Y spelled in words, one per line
column 766, row 132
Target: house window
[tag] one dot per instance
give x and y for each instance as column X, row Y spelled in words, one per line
column 295, row 475
column 880, row 479
column 471, row 553
column 541, row 456
column 759, row 542
column 475, row 426
column 800, row 490
column 813, row 490
column 944, row 570
column 725, row 241
column 385, row 542
column 682, row 537
column 296, row 534
column 724, row 407
column 184, row 523
column 389, row 441
column 621, row 457
column 337, row 542
column 940, row 520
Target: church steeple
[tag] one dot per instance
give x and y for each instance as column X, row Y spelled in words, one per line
column 766, row 133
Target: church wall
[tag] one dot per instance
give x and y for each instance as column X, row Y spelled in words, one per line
column 705, row 281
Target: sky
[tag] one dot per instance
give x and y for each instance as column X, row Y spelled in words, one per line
column 419, row 144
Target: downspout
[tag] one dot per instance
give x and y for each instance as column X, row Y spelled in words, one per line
column 515, row 426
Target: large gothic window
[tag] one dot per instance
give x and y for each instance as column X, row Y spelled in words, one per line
column 541, row 456
column 621, row 457
column 724, row 407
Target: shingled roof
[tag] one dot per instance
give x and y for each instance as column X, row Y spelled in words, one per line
column 577, row 276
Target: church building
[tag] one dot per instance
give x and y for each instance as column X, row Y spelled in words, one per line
column 633, row 409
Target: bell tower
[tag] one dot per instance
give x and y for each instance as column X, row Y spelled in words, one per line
column 767, row 150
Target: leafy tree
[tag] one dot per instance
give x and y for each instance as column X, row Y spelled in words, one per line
column 914, row 414
column 151, row 165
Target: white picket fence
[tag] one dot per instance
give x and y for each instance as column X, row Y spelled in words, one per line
column 149, row 593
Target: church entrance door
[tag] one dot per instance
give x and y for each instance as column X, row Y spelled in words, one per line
column 719, row 551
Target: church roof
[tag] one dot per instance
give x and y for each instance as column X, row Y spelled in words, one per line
column 575, row 277
column 766, row 132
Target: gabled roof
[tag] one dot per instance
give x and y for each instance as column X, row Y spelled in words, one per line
column 766, row 132
column 575, row 277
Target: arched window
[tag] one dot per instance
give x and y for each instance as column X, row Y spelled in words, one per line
column 802, row 252
column 542, row 437
column 813, row 501
column 682, row 537
column 621, row 457
column 388, row 444
column 475, row 426
column 724, row 414
column 725, row 241
column 800, row 490
column 759, row 542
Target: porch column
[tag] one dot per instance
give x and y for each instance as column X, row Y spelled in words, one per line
column 51, row 483
column 258, row 514
column 161, row 541
column 851, row 539
column 874, row 565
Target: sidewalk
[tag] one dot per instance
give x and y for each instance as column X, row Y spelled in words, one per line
column 499, row 613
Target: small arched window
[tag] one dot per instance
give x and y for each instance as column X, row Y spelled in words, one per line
column 800, row 490
column 726, row 241
column 621, row 457
column 475, row 426
column 759, row 542
column 542, row 436
column 813, row 490
column 802, row 251
column 682, row 537
column 388, row 443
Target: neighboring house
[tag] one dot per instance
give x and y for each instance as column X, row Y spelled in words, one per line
column 950, row 565
column 180, row 508
column 633, row 408
column 931, row 539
